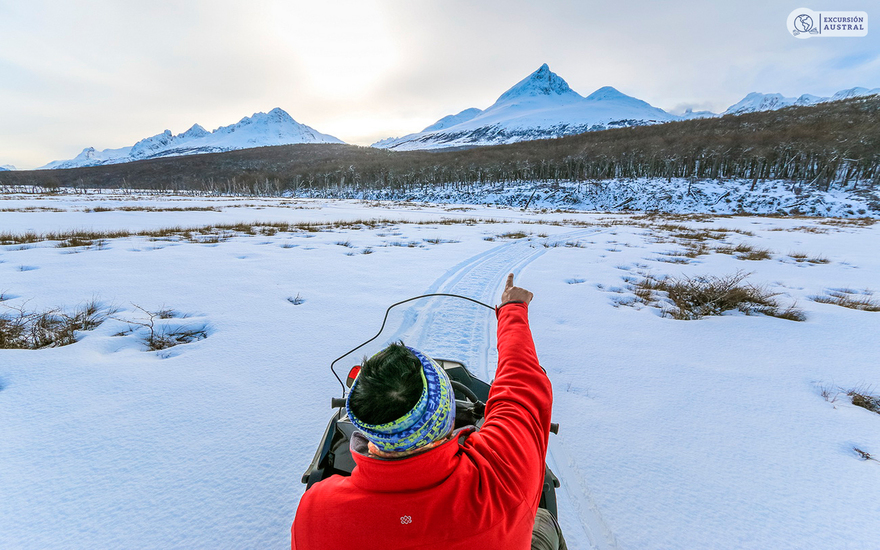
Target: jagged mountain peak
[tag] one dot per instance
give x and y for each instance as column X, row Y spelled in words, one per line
column 606, row 93
column 275, row 115
column 542, row 82
column 196, row 131
column 540, row 106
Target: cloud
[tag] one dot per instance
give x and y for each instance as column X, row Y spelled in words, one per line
column 105, row 73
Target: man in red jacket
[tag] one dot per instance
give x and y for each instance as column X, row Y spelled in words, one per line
column 420, row 484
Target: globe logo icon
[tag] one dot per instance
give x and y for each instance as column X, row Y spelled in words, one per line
column 803, row 23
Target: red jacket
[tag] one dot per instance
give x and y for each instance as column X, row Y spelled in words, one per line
column 479, row 490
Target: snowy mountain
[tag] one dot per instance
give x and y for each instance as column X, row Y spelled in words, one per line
column 755, row 101
column 262, row 129
column 540, row 106
column 690, row 114
column 7, row 167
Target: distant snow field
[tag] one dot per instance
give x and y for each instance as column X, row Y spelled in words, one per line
column 730, row 431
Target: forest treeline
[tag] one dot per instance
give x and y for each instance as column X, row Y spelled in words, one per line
column 828, row 145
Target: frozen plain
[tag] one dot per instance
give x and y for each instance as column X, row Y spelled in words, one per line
column 709, row 433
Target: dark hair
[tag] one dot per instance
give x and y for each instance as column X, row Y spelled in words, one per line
column 389, row 385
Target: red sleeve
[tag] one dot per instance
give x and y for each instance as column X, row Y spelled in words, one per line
column 517, row 423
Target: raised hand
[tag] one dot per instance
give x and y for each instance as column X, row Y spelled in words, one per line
column 514, row 293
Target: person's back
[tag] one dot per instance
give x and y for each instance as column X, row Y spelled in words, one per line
column 470, row 489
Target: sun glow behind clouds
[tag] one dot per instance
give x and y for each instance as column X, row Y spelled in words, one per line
column 344, row 46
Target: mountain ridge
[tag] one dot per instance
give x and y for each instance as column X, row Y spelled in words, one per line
column 276, row 127
column 542, row 105
column 756, row 101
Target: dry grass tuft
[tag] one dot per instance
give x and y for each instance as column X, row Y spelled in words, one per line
column 153, row 209
column 849, row 222
column 23, row 329
column 801, row 257
column 697, row 297
column 744, row 251
column 222, row 232
column 860, row 398
column 804, row 229
column 513, row 235
column 852, row 299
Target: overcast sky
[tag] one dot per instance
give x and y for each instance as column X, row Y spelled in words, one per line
column 106, row 73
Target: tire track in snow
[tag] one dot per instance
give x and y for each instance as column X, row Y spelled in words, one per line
column 456, row 329
column 449, row 328
column 576, row 503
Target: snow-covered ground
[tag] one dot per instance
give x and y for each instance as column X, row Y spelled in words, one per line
column 711, row 433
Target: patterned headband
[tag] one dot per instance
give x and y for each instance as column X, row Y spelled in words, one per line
column 432, row 417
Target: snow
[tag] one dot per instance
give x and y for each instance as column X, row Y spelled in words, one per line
column 91, row 157
column 674, row 434
column 452, row 120
column 759, row 102
column 756, row 101
column 690, row 114
column 541, row 105
column 542, row 82
column 7, row 167
column 259, row 130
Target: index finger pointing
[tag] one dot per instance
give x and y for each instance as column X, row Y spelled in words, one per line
column 509, row 280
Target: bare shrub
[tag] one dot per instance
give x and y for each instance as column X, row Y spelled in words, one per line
column 697, row 297
column 864, row 455
column 158, row 336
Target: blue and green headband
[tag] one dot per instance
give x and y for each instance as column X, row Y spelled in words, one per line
column 432, row 417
